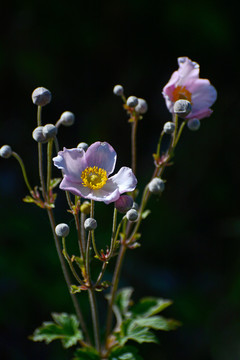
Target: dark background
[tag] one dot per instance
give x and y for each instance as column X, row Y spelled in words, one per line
column 190, row 243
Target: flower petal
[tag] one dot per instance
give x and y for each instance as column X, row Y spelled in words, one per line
column 124, row 179
column 73, row 187
column 188, row 70
column 102, row 155
column 203, row 96
column 108, row 193
column 72, row 162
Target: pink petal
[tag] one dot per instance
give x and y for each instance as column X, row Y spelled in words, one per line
column 72, row 162
column 102, row 155
column 73, row 187
column 124, row 179
column 108, row 193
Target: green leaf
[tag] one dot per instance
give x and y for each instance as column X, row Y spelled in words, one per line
column 158, row 323
column 28, row 199
column 125, row 353
column 145, row 214
column 131, row 331
column 64, row 327
column 149, row 306
column 54, row 182
column 87, row 353
column 123, row 300
column 75, row 289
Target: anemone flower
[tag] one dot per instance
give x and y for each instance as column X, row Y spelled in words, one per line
column 186, row 84
column 86, row 174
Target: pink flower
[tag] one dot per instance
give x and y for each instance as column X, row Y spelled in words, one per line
column 186, row 84
column 86, row 174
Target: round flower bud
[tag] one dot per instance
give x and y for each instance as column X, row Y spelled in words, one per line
column 182, row 108
column 124, row 203
column 83, row 145
column 118, row 90
column 193, row 124
column 67, row 118
column 169, row 127
column 90, row 224
column 156, row 186
column 132, row 101
column 62, row 230
column 37, row 134
column 5, row 151
column 132, row 215
column 49, row 131
column 135, row 206
column 41, row 96
column 142, row 106
column 85, row 207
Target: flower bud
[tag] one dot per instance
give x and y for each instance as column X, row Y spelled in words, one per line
column 83, row 145
column 135, row 206
column 193, row 124
column 182, row 108
column 132, row 215
column 62, row 230
column 142, row 106
column 169, row 127
column 41, row 96
column 67, row 118
column 49, row 131
column 132, row 101
column 37, row 134
column 85, row 207
column 5, row 151
column 118, row 90
column 124, row 203
column 90, row 224
column 156, row 186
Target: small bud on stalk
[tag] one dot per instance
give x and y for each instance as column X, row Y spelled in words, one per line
column 182, row 108
column 85, row 207
column 132, row 215
column 41, row 96
column 193, row 124
column 132, row 101
column 124, row 203
column 83, row 145
column 49, row 131
column 62, row 230
column 142, row 106
column 90, row 224
column 156, row 186
column 5, row 151
column 169, row 127
column 37, row 134
column 118, row 90
column 135, row 206
column 67, row 118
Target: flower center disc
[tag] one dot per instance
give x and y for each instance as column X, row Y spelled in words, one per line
column 180, row 92
column 94, row 177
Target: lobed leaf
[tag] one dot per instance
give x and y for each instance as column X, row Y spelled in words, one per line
column 65, row 328
column 125, row 353
column 87, row 353
column 158, row 323
column 149, row 306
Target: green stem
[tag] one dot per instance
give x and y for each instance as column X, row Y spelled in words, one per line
column 67, row 257
column 134, row 147
column 66, row 274
column 115, row 282
column 49, row 165
column 40, row 157
column 17, row 157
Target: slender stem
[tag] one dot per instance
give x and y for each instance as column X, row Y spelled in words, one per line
column 93, row 304
column 78, row 227
column 67, row 257
column 83, row 235
column 113, row 230
column 134, row 147
column 49, row 165
column 159, row 144
column 100, row 276
column 92, row 232
column 17, row 157
column 180, row 132
column 66, row 274
column 115, row 281
column 40, row 157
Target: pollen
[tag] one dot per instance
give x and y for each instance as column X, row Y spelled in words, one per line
column 180, row 92
column 94, row 177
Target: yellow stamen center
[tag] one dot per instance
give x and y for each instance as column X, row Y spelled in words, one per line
column 180, row 92
column 94, row 177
